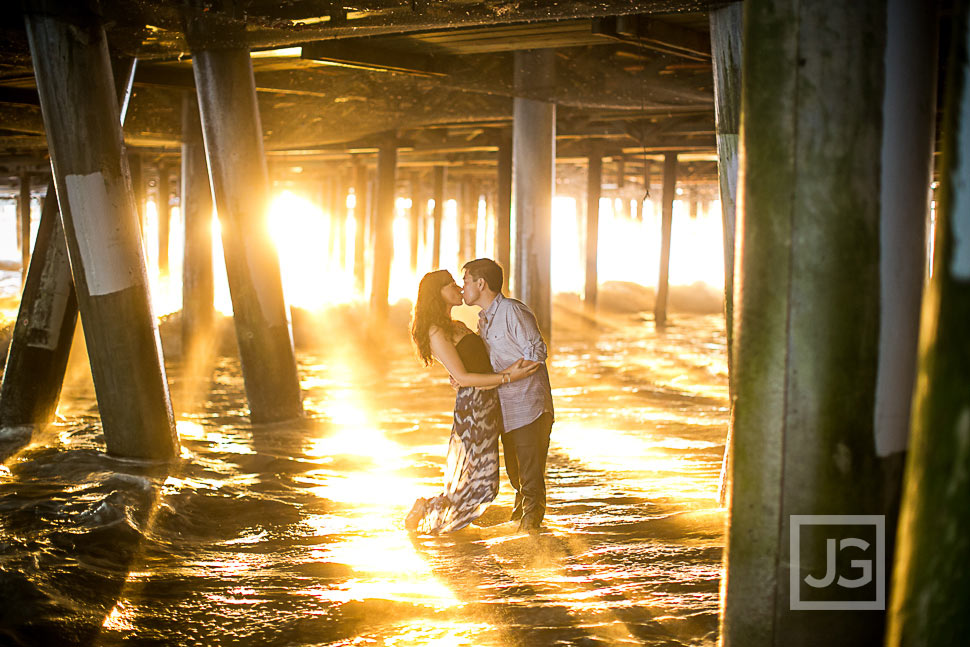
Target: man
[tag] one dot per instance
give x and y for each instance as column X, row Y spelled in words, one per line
column 509, row 329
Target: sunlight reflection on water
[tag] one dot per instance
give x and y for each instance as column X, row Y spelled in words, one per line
column 293, row 535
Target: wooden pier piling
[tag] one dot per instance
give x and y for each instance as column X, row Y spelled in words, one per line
column 594, row 181
column 383, row 229
column 437, row 214
column 909, row 120
column 81, row 120
column 503, row 209
column 807, row 329
column 164, row 211
column 361, row 203
column 240, row 186
column 23, row 225
column 198, row 311
column 43, row 332
column 467, row 219
column 534, row 171
column 666, row 225
column 416, row 217
column 930, row 593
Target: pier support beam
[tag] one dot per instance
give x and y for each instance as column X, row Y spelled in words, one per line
column 23, row 225
column 361, row 206
column 909, row 119
column 666, row 224
column 503, row 210
column 41, row 342
column 44, row 330
column 337, row 206
column 198, row 311
column 240, row 187
column 437, row 215
column 361, row 203
column 533, row 177
column 416, row 215
column 81, row 119
column 467, row 220
column 164, row 210
column 328, row 189
column 135, row 166
column 623, row 210
column 342, row 191
column 929, row 595
column 594, row 181
column 726, row 29
column 807, row 330
column 383, row 229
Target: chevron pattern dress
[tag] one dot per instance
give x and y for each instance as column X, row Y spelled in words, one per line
column 471, row 476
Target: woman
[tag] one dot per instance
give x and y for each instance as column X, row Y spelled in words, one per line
column 471, row 478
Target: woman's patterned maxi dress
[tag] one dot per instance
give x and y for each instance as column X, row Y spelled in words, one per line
column 471, row 477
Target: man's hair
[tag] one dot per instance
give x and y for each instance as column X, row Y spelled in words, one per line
column 486, row 268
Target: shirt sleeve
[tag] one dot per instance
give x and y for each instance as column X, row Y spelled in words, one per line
column 524, row 332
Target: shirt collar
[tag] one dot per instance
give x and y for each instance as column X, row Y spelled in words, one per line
column 486, row 314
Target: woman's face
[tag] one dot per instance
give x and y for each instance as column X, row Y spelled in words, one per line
column 451, row 294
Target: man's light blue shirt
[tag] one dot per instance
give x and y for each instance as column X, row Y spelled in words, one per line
column 510, row 331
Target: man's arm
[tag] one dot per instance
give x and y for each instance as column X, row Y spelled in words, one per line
column 524, row 333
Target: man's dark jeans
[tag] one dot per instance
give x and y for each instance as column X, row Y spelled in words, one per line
column 525, row 462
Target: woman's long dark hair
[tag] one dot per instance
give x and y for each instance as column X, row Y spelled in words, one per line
column 430, row 310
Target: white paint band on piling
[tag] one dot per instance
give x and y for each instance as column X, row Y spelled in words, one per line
column 100, row 225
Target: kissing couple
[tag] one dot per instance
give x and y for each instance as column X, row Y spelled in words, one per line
column 502, row 391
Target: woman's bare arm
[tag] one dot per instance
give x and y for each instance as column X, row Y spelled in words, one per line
column 446, row 353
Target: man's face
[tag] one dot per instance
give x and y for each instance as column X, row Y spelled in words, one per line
column 471, row 288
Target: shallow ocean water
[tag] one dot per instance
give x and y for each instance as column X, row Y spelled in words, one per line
column 292, row 534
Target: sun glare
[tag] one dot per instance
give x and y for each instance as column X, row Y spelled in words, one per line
column 315, row 273
column 166, row 287
column 302, row 232
column 630, row 247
